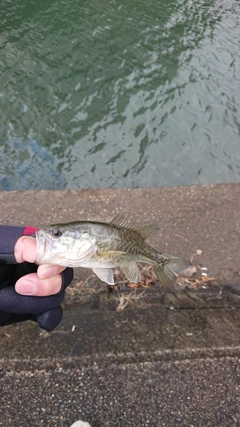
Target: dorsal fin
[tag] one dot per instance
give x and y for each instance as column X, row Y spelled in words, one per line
column 145, row 230
column 121, row 221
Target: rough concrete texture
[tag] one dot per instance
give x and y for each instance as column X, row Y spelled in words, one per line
column 164, row 360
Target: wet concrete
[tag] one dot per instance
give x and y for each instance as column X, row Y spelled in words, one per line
column 164, row 360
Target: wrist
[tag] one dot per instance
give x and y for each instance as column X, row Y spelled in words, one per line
column 8, row 237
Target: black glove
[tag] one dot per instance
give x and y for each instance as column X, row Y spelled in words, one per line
column 46, row 311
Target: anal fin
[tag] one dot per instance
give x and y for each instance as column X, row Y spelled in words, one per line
column 131, row 272
column 105, row 274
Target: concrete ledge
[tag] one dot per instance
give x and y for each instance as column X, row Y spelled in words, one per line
column 165, row 360
column 196, row 217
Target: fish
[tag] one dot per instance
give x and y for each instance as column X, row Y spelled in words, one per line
column 103, row 246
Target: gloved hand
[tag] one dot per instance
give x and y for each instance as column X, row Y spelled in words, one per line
column 45, row 310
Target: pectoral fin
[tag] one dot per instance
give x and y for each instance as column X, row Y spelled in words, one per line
column 131, row 272
column 105, row 274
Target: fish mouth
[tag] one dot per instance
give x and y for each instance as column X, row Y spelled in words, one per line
column 42, row 243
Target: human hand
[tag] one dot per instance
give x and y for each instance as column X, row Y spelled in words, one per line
column 31, row 292
column 47, row 280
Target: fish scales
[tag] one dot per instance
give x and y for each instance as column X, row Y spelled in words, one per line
column 103, row 246
column 127, row 240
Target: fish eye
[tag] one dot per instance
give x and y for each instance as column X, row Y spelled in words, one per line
column 56, row 233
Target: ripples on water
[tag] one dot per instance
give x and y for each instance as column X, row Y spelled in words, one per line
column 119, row 94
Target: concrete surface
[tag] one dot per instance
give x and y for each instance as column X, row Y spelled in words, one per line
column 165, row 359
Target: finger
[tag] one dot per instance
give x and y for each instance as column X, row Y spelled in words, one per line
column 25, row 249
column 49, row 320
column 47, row 270
column 32, row 285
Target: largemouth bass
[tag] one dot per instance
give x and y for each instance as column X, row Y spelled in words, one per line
column 103, row 246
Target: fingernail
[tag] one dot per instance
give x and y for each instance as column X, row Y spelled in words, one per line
column 26, row 288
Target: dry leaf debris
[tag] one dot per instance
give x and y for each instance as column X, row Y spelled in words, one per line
column 194, row 277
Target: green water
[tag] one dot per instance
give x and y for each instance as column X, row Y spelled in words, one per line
column 119, row 93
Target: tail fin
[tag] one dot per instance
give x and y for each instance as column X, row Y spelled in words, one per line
column 167, row 267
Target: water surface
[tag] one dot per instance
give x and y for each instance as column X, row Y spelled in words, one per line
column 119, row 94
